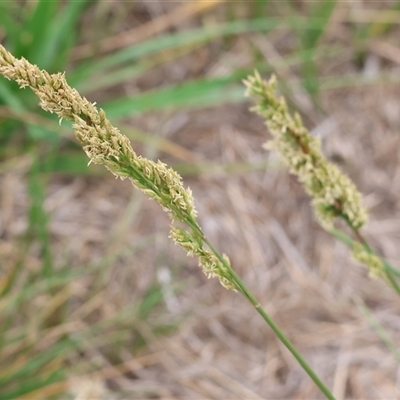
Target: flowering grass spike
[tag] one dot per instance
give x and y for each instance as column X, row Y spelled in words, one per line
column 104, row 144
column 333, row 193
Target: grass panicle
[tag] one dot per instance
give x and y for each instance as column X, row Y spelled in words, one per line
column 104, row 144
column 333, row 194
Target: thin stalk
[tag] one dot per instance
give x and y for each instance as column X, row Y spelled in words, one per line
column 360, row 237
column 256, row 304
column 281, row 336
column 377, row 327
column 392, row 281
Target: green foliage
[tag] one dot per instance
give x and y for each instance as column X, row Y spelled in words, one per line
column 309, row 36
column 38, row 219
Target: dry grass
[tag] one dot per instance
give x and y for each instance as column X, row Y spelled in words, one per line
column 306, row 280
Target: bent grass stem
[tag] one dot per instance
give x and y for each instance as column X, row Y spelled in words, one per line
column 282, row 337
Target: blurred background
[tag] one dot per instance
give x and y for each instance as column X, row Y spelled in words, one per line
column 95, row 300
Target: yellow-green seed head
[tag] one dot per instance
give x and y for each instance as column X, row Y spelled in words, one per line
column 102, row 142
column 333, row 193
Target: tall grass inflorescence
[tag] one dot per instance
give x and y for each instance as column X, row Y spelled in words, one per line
column 104, row 144
column 333, row 194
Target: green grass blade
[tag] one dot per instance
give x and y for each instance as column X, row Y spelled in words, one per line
column 28, row 386
column 9, row 25
column 200, row 93
column 57, row 279
column 8, row 97
column 11, row 99
column 38, row 361
column 167, row 42
column 260, row 7
column 104, row 81
column 37, row 30
column 151, row 299
column 38, row 219
column 71, row 164
column 378, row 328
column 322, row 11
column 61, row 35
column 319, row 11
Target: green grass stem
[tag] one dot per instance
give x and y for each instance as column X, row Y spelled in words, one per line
column 280, row 335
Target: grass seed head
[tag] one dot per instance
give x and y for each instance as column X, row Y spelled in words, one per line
column 102, row 142
column 333, row 193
